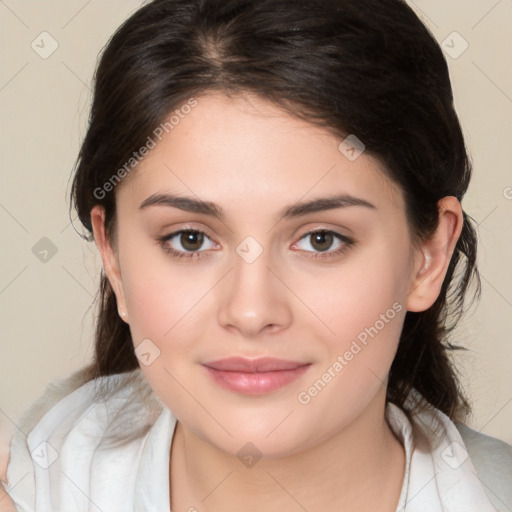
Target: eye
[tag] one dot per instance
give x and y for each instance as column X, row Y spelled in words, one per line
column 324, row 241
column 186, row 243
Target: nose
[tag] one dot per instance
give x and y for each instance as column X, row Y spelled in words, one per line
column 253, row 300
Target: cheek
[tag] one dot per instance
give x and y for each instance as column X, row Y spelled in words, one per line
column 158, row 291
column 352, row 297
column 154, row 304
column 364, row 309
column 359, row 311
column 164, row 304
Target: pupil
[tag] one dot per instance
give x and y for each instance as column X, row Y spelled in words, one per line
column 322, row 240
column 191, row 241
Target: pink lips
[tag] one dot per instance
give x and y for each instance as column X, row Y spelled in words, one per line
column 254, row 376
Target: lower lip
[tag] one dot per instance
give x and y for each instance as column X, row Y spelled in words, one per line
column 256, row 383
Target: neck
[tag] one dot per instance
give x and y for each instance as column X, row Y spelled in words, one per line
column 360, row 467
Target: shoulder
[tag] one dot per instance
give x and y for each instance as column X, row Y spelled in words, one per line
column 70, row 398
column 492, row 459
column 471, row 471
column 76, row 394
column 97, row 416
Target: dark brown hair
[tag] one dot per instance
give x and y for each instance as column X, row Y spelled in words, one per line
column 363, row 67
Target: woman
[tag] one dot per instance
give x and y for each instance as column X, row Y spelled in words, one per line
column 274, row 188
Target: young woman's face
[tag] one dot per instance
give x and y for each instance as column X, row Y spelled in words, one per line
column 258, row 283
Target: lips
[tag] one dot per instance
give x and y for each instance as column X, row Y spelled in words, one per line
column 254, row 376
column 264, row 364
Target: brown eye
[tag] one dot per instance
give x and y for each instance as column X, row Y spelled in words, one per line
column 323, row 243
column 191, row 240
column 187, row 243
column 321, row 240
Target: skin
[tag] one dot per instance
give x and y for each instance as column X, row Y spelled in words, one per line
column 336, row 452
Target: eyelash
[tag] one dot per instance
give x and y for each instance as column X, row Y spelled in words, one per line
column 179, row 255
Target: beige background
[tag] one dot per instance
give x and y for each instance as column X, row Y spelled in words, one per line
column 45, row 308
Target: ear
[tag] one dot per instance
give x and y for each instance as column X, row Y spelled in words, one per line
column 433, row 256
column 109, row 258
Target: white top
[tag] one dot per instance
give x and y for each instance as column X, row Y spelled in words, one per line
column 105, row 446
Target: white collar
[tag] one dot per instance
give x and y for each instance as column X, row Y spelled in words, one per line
column 439, row 475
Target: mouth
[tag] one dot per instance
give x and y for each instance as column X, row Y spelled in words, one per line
column 254, row 376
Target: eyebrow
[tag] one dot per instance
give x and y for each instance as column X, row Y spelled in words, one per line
column 190, row 204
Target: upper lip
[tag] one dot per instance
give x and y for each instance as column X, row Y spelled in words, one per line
column 264, row 364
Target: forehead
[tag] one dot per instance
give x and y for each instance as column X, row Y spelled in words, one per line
column 244, row 152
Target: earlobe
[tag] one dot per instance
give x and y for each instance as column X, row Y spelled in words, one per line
column 434, row 255
column 108, row 257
